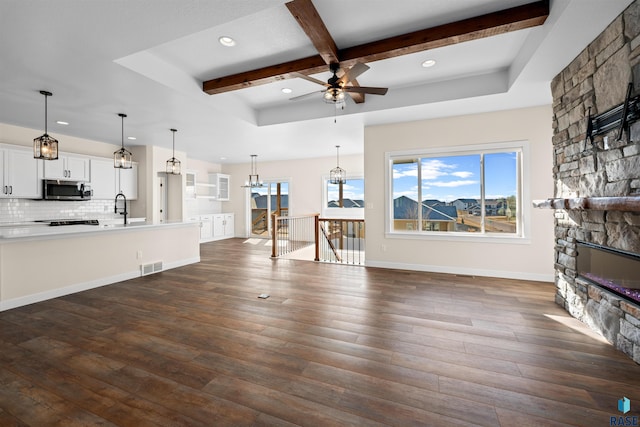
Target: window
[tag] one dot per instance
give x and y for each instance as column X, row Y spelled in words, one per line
column 343, row 200
column 467, row 191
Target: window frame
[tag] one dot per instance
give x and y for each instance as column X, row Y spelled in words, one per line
column 349, row 213
column 523, row 201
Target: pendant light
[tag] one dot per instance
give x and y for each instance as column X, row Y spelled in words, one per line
column 45, row 147
column 122, row 157
column 173, row 164
column 337, row 174
column 254, row 179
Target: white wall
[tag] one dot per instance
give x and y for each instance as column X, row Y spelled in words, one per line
column 532, row 259
column 305, row 190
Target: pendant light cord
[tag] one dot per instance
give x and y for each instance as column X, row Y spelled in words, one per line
column 122, row 128
column 45, row 114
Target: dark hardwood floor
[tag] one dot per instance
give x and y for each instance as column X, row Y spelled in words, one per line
column 332, row 346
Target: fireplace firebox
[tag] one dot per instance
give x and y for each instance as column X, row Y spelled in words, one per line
column 613, row 269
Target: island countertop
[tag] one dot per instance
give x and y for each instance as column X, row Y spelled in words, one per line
column 39, row 230
column 39, row 261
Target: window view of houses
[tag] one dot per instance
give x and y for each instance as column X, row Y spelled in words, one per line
column 351, row 195
column 468, row 193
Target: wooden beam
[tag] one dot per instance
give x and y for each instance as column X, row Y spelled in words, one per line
column 491, row 24
column 309, row 20
column 270, row 74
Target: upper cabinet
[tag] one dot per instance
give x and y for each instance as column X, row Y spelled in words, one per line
column 216, row 188
column 222, row 185
column 103, row 179
column 107, row 181
column 20, row 173
column 127, row 182
column 68, row 167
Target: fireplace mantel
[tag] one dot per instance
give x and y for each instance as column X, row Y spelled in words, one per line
column 627, row 204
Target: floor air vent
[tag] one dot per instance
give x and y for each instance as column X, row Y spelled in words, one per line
column 150, row 268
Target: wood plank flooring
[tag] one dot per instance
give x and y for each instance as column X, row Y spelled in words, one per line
column 333, row 345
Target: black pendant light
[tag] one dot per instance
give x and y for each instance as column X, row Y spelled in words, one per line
column 122, row 158
column 337, row 174
column 45, row 147
column 173, row 164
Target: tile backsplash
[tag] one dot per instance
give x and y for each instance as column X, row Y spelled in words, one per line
column 19, row 210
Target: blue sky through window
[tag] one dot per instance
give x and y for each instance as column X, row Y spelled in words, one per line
column 353, row 189
column 457, row 177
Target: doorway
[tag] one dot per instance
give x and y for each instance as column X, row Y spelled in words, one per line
column 272, row 198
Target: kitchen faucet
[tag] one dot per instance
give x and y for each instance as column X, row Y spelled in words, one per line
column 124, row 210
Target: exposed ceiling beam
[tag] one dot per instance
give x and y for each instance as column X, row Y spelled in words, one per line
column 312, row 24
column 309, row 20
column 491, row 24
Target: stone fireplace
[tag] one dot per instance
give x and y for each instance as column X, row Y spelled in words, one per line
column 597, row 185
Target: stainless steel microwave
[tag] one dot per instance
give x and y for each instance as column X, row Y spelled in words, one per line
column 66, row 190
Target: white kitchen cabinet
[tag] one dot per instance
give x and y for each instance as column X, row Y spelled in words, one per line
column 107, row 181
column 103, row 179
column 20, row 173
column 206, row 228
column 68, row 167
column 127, row 182
column 190, row 185
column 223, row 226
column 221, row 182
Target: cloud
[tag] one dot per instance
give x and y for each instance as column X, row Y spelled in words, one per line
column 412, row 170
column 435, row 168
column 458, row 183
column 462, row 174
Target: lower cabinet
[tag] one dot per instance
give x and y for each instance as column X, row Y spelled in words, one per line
column 215, row 226
column 223, row 226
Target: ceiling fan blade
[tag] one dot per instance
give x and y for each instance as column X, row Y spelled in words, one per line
column 353, row 72
column 308, row 78
column 365, row 89
column 306, row 95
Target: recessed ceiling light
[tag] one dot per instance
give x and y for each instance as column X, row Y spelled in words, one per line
column 286, row 90
column 227, row 41
column 223, row 158
column 429, row 63
column 60, row 122
column 131, row 138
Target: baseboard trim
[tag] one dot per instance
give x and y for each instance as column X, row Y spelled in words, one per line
column 85, row 286
column 461, row 270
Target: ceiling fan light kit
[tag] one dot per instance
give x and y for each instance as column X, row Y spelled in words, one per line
column 45, row 147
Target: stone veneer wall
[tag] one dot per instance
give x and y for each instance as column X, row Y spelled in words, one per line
column 598, row 78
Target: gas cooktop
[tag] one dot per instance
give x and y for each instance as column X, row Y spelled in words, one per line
column 58, row 222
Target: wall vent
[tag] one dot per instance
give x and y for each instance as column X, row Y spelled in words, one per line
column 146, row 269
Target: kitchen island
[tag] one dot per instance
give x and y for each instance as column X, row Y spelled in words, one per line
column 39, row 262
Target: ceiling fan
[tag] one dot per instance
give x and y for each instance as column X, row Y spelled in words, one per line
column 336, row 87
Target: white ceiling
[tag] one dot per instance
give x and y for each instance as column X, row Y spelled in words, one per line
column 148, row 58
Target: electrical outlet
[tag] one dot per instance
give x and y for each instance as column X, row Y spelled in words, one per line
column 139, row 255
column 383, row 247
column 606, row 142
